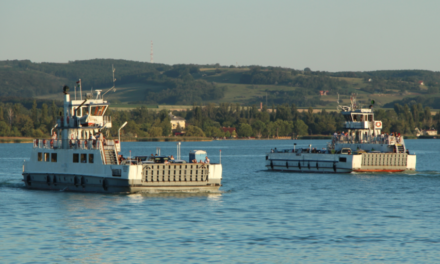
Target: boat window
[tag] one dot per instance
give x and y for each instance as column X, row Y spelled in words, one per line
column 40, row 156
column 84, row 111
column 342, row 159
column 97, row 110
column 75, row 157
column 116, row 172
column 83, row 158
column 370, row 118
column 91, row 158
column 54, row 157
column 46, row 157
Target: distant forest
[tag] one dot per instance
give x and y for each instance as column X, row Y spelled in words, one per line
column 283, row 120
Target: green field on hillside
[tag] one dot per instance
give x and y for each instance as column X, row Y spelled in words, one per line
column 146, row 84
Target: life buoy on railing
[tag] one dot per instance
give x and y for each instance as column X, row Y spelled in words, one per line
column 51, row 142
column 378, row 124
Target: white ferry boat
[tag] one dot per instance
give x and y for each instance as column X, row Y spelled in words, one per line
column 363, row 148
column 72, row 160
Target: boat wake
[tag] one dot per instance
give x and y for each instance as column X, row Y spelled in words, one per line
column 11, row 184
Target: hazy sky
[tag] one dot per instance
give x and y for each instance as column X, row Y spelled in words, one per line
column 329, row 35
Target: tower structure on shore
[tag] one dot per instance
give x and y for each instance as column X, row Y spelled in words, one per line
column 151, row 53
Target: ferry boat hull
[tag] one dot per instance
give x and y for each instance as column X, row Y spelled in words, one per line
column 340, row 163
column 52, row 169
column 69, row 183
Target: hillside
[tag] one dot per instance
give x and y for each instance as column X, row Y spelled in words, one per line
column 141, row 83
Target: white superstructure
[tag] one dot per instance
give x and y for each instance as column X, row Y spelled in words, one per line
column 361, row 147
column 79, row 158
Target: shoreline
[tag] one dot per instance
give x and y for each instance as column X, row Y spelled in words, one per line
column 194, row 139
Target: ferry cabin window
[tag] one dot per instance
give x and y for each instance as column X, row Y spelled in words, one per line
column 83, row 158
column 97, row 110
column 75, row 158
column 46, row 157
column 90, row 158
column 348, row 118
column 40, row 156
column 84, row 111
column 370, row 118
column 54, row 157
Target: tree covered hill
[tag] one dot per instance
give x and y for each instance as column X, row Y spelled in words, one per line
column 153, row 83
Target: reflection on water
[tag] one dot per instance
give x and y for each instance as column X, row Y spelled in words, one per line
column 258, row 217
column 143, row 195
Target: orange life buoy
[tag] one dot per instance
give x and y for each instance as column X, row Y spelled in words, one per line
column 378, row 124
column 44, row 142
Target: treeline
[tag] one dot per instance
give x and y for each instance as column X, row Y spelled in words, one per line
column 280, row 120
column 411, row 76
column 431, row 101
column 177, row 86
column 292, row 78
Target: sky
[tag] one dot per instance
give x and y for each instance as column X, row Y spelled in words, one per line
column 324, row 35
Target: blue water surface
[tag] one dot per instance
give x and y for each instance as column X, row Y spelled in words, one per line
column 260, row 216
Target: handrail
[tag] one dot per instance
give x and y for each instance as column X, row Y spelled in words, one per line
column 72, row 144
column 390, row 140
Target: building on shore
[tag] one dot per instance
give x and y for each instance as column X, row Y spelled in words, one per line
column 178, row 124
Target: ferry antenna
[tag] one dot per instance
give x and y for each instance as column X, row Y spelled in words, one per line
column 114, row 80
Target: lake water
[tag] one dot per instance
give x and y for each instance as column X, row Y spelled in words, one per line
column 261, row 216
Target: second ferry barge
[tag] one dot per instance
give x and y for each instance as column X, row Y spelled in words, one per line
column 363, row 148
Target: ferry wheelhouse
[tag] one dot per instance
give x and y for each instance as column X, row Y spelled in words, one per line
column 361, row 148
column 74, row 160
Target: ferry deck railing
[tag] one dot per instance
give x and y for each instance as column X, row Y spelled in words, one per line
column 73, row 144
column 389, row 140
